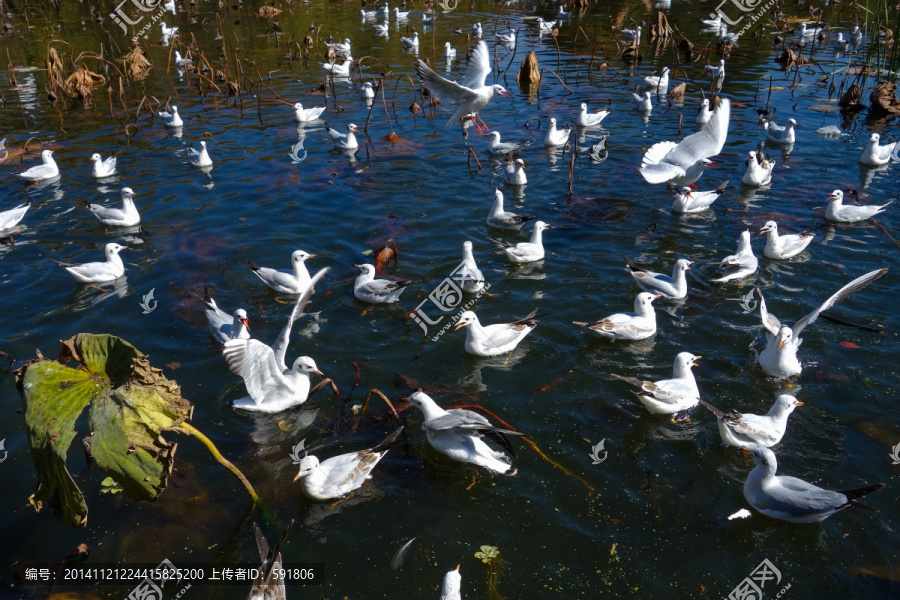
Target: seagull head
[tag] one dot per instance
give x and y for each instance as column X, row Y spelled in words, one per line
column 553, row 122
column 495, row 136
column 751, row 157
column 306, row 365
column 203, row 145
column 366, row 269
column 499, row 89
column 308, row 464
column 837, row 195
column 683, row 264
column 352, row 128
column 46, row 155
column 683, row 363
column 113, row 249
column 298, row 106
column 785, row 335
column 785, row 404
column 583, row 107
column 769, row 226
column 299, row 256
column 128, row 193
column 874, row 138
column 541, row 226
column 645, row 299
column 762, row 456
column 465, row 319
column 96, row 157
column 241, row 316
column 704, row 103
column 792, row 123
column 520, row 163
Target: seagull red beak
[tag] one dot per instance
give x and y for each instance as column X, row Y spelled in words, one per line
column 246, row 323
column 505, row 94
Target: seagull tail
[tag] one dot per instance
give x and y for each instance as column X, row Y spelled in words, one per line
column 635, row 382
column 859, row 492
column 252, row 265
column 529, row 318
column 388, row 441
column 722, row 187
column 719, row 414
column 633, row 266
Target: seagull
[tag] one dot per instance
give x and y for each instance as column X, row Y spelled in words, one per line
column 641, row 103
column 669, row 396
column 269, row 581
column 673, row 288
column 688, row 201
column 515, row 173
column 546, row 26
column 369, row 14
column 794, row 500
column 199, row 158
column 181, row 62
column 562, row 14
column 476, row 30
column 876, row 155
column 171, row 119
column 223, row 326
column 751, row 431
column 683, row 163
column 856, row 36
column 385, row 10
column 97, row 272
column 471, row 94
column 836, row 210
column 740, row 265
column 712, row 23
column 658, row 82
column 339, row 70
column 127, row 216
column 383, row 28
column 10, row 218
column 502, row 219
column 343, row 48
column 704, row 114
column 449, row 51
column 530, row 251
column 339, row 475
column 450, row 590
column 497, row 339
column 411, row 43
column 628, row 326
column 170, row 6
column 427, row 19
column 168, row 32
column 632, row 35
column 305, row 115
column 718, row 75
column 784, row 247
column 497, row 147
column 725, row 36
column 367, row 93
column 457, row 433
column 840, row 44
column 272, row 386
column 377, row 291
column 345, row 141
column 556, row 137
column 779, row 359
column 42, row 172
column 586, row 119
column 401, row 16
column 103, row 168
column 807, row 34
column 508, row 39
column 293, row 282
column 777, row 134
column 757, row 173
column 470, row 276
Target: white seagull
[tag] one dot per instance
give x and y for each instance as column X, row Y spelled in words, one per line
column 272, row 386
column 171, row 119
column 641, row 102
column 628, row 326
column 784, row 247
column 530, row 251
column 477, row 31
column 471, row 94
column 556, row 137
column 345, row 141
column 545, row 26
column 876, row 155
column 343, row 48
column 223, row 326
column 718, row 75
column 515, row 172
column 168, row 32
column 586, row 119
column 757, row 173
column 660, row 82
column 199, row 158
column 10, row 218
column 182, row 62
column 457, row 433
column 499, row 148
column 382, row 28
column 794, row 500
column 508, row 39
column 688, row 201
column 292, row 282
column 777, row 134
column 305, row 115
column 127, row 216
column 743, row 263
column 669, row 396
column 779, row 359
column 97, row 272
column 377, row 291
column 673, row 288
column 451, row 588
column 449, row 51
column 339, row 70
column 704, row 114
column 497, row 339
column 103, row 168
column 367, row 93
column 47, row 170
column 339, row 475
column 502, row 219
column 401, row 16
column 410, row 43
column 751, row 431
column 683, row 163
column 471, row 277
column 836, row 211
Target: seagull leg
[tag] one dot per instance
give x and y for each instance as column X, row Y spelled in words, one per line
column 97, row 287
column 333, row 506
column 474, row 480
column 280, row 301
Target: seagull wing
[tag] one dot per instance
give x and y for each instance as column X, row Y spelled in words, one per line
column 655, row 169
column 851, row 288
column 279, row 348
column 255, row 363
column 443, row 88
column 769, row 321
column 706, row 142
column 479, row 67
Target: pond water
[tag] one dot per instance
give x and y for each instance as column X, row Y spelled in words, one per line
column 649, row 521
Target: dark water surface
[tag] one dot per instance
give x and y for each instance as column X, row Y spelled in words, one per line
column 648, row 522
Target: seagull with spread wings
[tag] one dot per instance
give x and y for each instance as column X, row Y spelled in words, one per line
column 472, row 94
